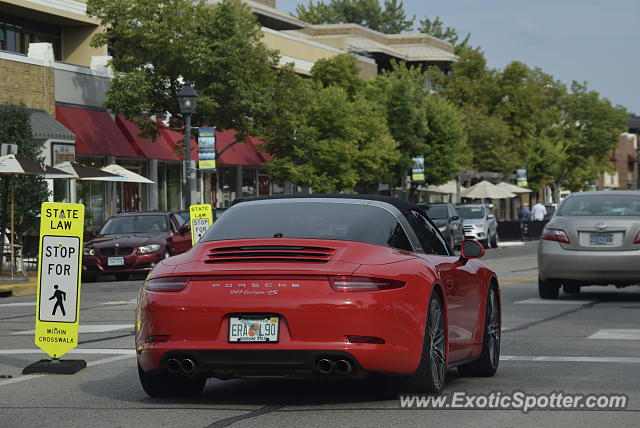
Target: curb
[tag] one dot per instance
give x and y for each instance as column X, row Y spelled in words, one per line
column 18, row 289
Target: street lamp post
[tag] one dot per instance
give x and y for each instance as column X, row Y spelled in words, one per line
column 188, row 101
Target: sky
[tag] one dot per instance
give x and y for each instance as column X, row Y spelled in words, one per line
column 597, row 41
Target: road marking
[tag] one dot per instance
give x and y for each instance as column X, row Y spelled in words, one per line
column 560, row 359
column 537, row 301
column 121, row 302
column 616, row 334
column 18, row 304
column 89, row 351
column 89, row 328
column 89, row 364
column 518, row 279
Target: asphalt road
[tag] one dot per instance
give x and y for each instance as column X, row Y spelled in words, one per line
column 582, row 344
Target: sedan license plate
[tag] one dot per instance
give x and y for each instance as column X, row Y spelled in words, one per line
column 246, row 329
column 601, row 239
column 115, row 261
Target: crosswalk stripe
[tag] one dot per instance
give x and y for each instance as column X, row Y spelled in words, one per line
column 616, row 334
column 537, row 301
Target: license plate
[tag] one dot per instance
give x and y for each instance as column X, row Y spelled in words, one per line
column 601, row 239
column 249, row 329
column 115, row 261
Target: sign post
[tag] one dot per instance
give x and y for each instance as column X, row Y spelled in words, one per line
column 201, row 217
column 59, row 279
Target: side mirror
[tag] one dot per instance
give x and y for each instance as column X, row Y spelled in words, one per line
column 185, row 229
column 470, row 249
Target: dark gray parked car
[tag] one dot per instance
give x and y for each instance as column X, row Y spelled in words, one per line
column 592, row 239
column 448, row 221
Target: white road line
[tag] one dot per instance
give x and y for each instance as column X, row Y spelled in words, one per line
column 560, row 359
column 89, row 328
column 536, row 301
column 5, row 305
column 87, row 351
column 89, row 364
column 121, row 302
column 616, row 334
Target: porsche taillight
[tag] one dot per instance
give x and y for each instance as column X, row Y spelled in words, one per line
column 558, row 235
column 363, row 283
column 637, row 240
column 171, row 283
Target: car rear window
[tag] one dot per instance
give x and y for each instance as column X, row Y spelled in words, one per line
column 134, row 224
column 437, row 212
column 601, row 205
column 310, row 220
column 471, row 212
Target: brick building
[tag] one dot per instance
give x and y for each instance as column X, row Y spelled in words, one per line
column 624, row 160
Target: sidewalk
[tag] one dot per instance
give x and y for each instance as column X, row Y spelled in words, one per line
column 17, row 287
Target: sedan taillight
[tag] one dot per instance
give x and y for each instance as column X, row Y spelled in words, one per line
column 558, row 235
column 172, row 283
column 363, row 283
column 637, row 240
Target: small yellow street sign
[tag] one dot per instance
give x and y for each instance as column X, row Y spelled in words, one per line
column 59, row 277
column 201, row 217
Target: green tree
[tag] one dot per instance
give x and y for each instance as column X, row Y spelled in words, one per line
column 158, row 44
column 391, row 19
column 341, row 70
column 435, row 27
column 30, row 191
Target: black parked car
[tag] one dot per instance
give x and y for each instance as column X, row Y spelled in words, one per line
column 448, row 221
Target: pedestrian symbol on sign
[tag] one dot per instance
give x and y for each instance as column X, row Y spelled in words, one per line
column 60, row 296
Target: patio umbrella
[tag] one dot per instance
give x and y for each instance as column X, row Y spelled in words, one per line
column 447, row 188
column 124, row 174
column 19, row 165
column 486, row 190
column 75, row 170
column 513, row 188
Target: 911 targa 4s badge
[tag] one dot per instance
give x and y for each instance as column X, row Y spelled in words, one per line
column 321, row 286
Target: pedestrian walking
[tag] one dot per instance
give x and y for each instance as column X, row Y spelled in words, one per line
column 525, row 213
column 538, row 212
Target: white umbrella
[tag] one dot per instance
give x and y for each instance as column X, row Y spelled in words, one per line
column 450, row 187
column 123, row 175
column 20, row 165
column 81, row 172
column 513, row 188
column 486, row 190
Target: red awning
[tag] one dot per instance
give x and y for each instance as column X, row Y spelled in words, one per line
column 161, row 148
column 96, row 133
column 174, row 139
column 239, row 153
column 258, row 145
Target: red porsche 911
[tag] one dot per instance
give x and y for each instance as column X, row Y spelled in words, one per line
column 318, row 286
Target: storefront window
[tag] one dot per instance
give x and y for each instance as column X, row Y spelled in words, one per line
column 227, row 177
column 92, row 193
column 249, row 182
column 61, row 190
column 162, row 186
column 174, row 186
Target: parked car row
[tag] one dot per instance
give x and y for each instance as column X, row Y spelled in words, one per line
column 457, row 222
column 133, row 243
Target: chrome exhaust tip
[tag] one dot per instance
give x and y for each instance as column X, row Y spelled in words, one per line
column 188, row 366
column 343, row 367
column 325, row 366
column 173, row 365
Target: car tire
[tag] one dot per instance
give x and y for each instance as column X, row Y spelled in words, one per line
column 494, row 240
column 432, row 370
column 548, row 289
column 122, row 276
column 487, row 364
column 164, row 384
column 571, row 288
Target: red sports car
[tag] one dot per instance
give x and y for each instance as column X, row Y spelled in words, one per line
column 329, row 286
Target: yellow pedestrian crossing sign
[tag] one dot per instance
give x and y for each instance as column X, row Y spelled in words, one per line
column 201, row 218
column 59, row 277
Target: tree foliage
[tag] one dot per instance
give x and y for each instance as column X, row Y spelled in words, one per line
column 435, row 27
column 391, row 19
column 30, row 191
column 158, row 44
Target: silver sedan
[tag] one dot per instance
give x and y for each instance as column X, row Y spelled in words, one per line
column 592, row 239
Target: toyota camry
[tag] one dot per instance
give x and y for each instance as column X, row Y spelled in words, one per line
column 319, row 286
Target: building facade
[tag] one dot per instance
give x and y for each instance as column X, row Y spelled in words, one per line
column 625, row 170
column 48, row 64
